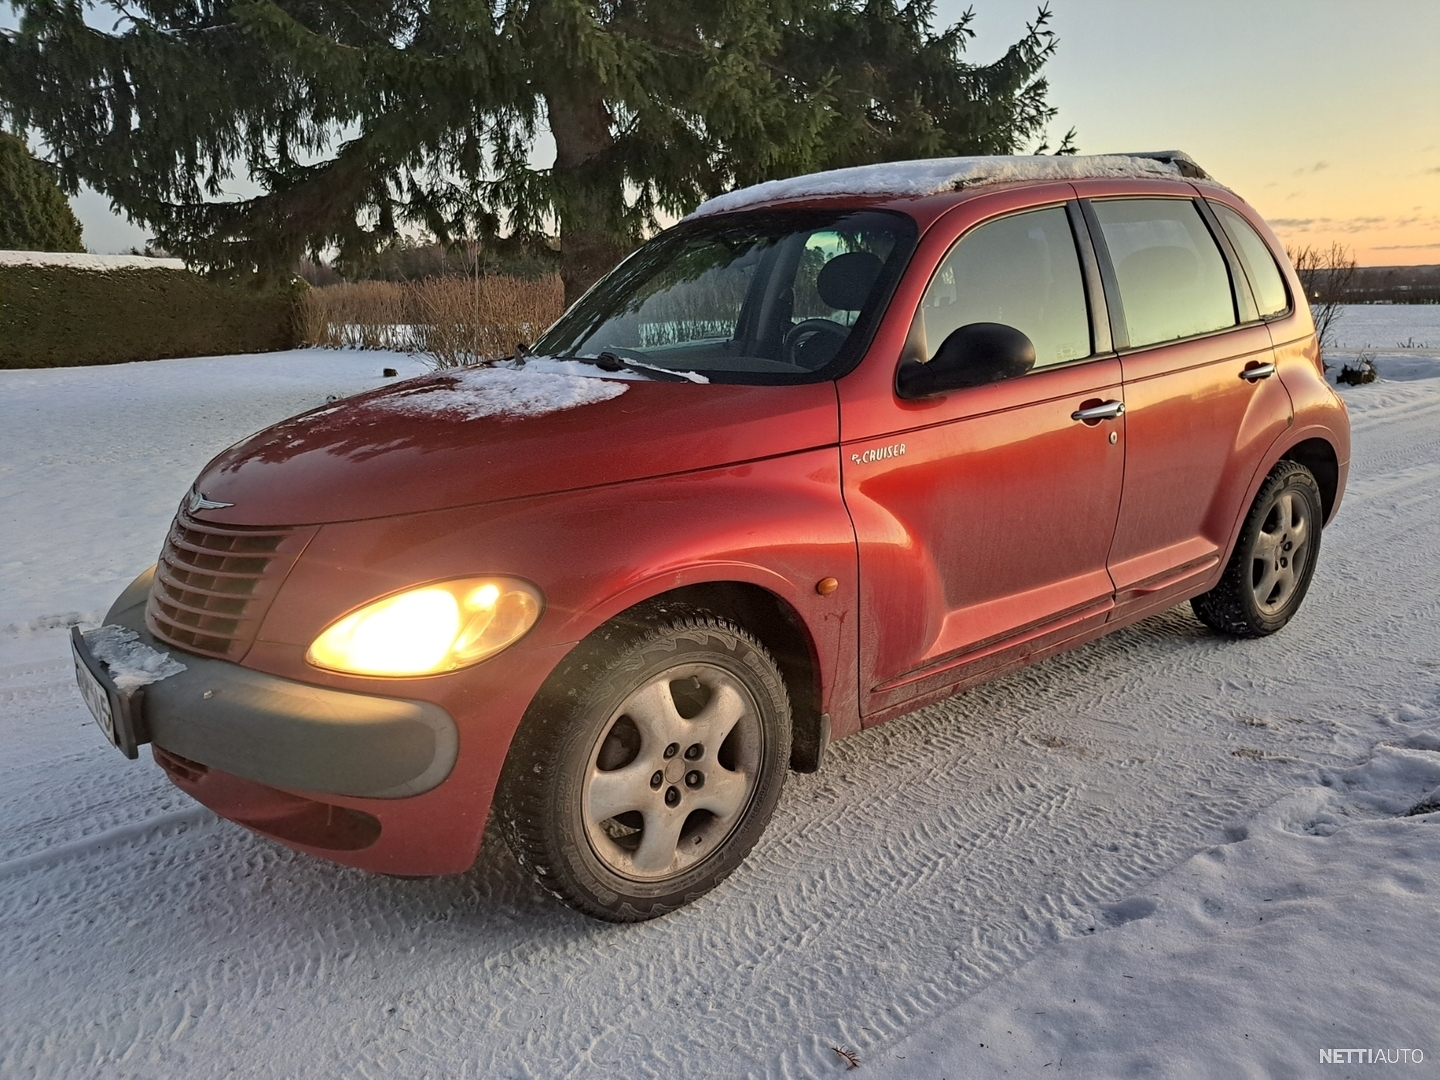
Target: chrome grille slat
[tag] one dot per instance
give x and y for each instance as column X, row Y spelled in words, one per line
column 214, row 583
column 169, row 567
column 201, row 611
column 257, row 551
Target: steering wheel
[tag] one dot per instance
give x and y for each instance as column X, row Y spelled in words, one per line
column 805, row 331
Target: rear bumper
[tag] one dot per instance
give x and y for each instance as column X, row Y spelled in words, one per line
column 287, row 734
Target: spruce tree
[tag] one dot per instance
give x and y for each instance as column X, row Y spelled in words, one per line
column 358, row 118
column 34, row 215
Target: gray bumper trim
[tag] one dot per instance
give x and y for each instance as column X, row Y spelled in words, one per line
column 289, row 734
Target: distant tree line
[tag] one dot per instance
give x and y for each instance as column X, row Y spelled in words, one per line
column 1394, row 285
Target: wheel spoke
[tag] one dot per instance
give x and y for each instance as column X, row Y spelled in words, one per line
column 658, row 841
column 724, row 793
column 1266, row 543
column 653, row 709
column 1285, row 582
column 1299, row 533
column 1266, row 585
column 1285, row 504
column 623, row 789
column 720, row 715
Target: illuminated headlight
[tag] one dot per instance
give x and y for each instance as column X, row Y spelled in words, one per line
column 431, row 629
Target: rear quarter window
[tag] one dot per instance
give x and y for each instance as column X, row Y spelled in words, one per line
column 1172, row 277
column 1259, row 264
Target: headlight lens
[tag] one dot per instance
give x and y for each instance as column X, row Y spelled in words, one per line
column 431, row 629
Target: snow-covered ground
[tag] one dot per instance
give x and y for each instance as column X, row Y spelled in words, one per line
column 1163, row 854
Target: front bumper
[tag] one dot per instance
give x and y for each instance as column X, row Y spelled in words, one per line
column 287, row 734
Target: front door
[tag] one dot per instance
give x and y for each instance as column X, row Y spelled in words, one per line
column 984, row 516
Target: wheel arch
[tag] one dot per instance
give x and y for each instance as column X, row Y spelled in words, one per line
column 775, row 623
column 1317, row 455
column 782, row 631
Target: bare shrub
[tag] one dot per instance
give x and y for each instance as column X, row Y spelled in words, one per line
column 459, row 321
column 454, row 320
column 363, row 315
column 1363, row 371
column 1326, row 274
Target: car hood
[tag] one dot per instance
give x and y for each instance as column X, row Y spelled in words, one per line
column 486, row 434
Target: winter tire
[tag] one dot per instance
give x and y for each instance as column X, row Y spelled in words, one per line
column 646, row 770
column 1274, row 558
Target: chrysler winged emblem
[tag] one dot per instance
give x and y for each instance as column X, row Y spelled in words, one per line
column 198, row 501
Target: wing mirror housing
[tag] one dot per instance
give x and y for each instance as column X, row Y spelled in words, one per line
column 974, row 355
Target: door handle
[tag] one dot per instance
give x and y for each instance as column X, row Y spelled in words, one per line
column 1108, row 410
column 1258, row 372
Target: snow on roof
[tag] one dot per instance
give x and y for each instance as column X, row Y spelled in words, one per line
column 899, row 179
column 79, row 260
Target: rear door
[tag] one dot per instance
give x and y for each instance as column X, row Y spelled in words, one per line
column 984, row 516
column 1202, row 402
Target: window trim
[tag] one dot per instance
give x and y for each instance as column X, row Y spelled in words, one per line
column 1289, row 308
column 1092, row 290
column 1112, row 282
column 1101, row 331
column 1247, row 311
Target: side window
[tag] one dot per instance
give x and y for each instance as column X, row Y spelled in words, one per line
column 1265, row 280
column 1021, row 271
column 1173, row 281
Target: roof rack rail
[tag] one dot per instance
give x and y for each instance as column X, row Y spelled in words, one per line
column 1187, row 166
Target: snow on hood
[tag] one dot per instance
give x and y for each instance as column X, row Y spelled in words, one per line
column 931, row 176
column 477, row 393
column 131, row 662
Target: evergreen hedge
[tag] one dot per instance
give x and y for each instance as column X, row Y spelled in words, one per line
column 60, row 316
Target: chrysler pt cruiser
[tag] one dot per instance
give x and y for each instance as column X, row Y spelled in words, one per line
column 826, row 451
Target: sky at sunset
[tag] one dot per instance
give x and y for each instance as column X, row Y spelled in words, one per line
column 1325, row 115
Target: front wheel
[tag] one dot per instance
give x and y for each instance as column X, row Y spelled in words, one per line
column 1274, row 558
column 650, row 765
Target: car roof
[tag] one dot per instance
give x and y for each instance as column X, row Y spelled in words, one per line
column 896, row 183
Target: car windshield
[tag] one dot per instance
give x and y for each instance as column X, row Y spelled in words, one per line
column 764, row 296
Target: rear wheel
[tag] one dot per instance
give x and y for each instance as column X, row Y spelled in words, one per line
column 649, row 767
column 1274, row 558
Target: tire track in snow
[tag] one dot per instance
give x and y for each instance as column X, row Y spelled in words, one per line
column 144, row 829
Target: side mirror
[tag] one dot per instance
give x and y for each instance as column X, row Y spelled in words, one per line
column 974, row 355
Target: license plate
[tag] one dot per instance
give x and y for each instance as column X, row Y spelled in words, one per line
column 111, row 708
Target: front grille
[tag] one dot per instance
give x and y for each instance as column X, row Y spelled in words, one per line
column 214, row 583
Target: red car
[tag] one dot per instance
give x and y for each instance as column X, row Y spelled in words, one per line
column 826, row 451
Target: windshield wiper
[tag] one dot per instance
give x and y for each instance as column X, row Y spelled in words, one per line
column 608, row 361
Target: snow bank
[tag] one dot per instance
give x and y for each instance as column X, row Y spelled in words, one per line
column 1259, row 957
column 79, row 260
column 899, row 179
column 132, row 663
column 476, row 393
